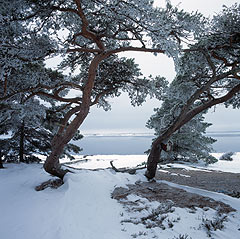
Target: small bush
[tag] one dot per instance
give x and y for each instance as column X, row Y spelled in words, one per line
column 215, row 224
column 180, row 236
column 227, row 156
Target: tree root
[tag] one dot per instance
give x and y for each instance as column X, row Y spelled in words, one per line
column 51, row 183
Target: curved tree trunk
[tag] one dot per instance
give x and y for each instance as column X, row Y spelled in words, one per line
column 186, row 115
column 52, row 163
column 67, row 132
column 153, row 160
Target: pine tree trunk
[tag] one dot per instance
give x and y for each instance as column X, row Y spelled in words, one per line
column 52, row 163
column 21, row 143
column 1, row 163
column 67, row 132
column 153, row 160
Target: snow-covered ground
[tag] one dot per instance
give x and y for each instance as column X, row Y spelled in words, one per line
column 82, row 208
column 103, row 161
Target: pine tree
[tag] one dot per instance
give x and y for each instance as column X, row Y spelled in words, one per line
column 207, row 75
column 30, row 130
column 96, row 32
column 30, row 123
column 23, row 114
column 189, row 142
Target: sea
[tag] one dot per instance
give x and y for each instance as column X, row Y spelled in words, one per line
column 139, row 143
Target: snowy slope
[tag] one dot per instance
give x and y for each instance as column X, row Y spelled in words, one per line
column 83, row 208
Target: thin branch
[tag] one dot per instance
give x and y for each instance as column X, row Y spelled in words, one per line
column 43, row 87
column 65, row 9
column 210, row 62
column 236, row 76
column 5, row 84
column 64, row 122
column 81, row 14
column 55, row 97
column 126, row 170
column 216, row 56
column 70, row 50
column 62, row 107
column 101, row 94
column 123, row 49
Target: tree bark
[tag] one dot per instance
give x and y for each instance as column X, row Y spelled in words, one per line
column 1, row 163
column 153, row 160
column 66, row 132
column 52, row 163
column 21, row 143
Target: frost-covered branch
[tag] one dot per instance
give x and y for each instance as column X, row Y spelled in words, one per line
column 38, row 90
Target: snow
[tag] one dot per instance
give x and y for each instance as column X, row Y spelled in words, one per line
column 227, row 166
column 103, row 161
column 83, row 208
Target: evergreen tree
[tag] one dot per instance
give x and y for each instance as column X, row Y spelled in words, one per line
column 207, row 75
column 189, row 143
column 30, row 130
column 96, row 32
column 30, row 122
column 23, row 114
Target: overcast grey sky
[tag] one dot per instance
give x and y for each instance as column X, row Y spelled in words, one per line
column 125, row 118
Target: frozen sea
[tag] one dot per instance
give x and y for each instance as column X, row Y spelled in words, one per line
column 138, row 143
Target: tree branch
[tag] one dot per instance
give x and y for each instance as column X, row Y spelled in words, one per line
column 123, row 49
column 186, row 115
column 209, row 104
column 65, row 121
column 126, row 170
column 85, row 31
column 70, row 50
column 101, row 94
column 55, row 97
column 210, row 62
column 39, row 86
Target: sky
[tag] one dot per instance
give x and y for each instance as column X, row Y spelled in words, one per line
column 125, row 118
